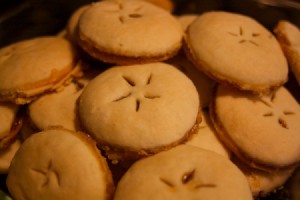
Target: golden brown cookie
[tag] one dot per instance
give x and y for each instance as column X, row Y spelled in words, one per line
column 35, row 66
column 288, row 35
column 237, row 50
column 115, row 32
column 262, row 131
column 184, row 172
column 59, row 164
column 138, row 110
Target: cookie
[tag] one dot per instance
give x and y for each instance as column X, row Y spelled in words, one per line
column 203, row 83
column 11, row 123
column 237, row 50
column 59, row 164
column 71, row 28
column 6, row 156
column 59, row 108
column 262, row 131
column 206, row 137
column 288, row 36
column 262, row 183
column 32, row 67
column 114, row 32
column 138, row 110
column 184, row 172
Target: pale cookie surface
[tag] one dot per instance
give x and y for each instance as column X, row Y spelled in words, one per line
column 206, row 137
column 264, row 131
column 59, row 108
column 31, row 67
column 203, row 83
column 129, row 32
column 184, row 172
column 59, row 164
column 139, row 107
column 288, row 35
column 236, row 49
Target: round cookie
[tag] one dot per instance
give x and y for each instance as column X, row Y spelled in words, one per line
column 6, row 156
column 184, row 172
column 59, row 164
column 11, row 123
column 263, row 131
column 138, row 110
column 288, row 36
column 71, row 29
column 237, row 50
column 206, row 138
column 203, row 83
column 32, row 67
column 262, row 183
column 114, row 32
column 59, row 108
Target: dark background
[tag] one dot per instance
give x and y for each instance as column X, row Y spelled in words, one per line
column 22, row 19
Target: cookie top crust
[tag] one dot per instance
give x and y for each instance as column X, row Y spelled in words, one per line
column 236, row 49
column 130, row 28
column 32, row 66
column 184, row 172
column 261, row 130
column 139, row 106
column 59, row 164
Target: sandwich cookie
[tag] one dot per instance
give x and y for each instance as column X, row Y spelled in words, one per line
column 129, row 32
column 59, row 164
column 263, row 183
column 262, row 131
column 288, row 36
column 237, row 50
column 203, row 83
column 59, row 109
column 35, row 66
column 138, row 110
column 184, row 172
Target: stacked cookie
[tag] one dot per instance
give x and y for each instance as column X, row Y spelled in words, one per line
column 136, row 103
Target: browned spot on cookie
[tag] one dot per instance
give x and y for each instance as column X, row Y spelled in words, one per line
column 241, row 30
column 282, row 123
column 122, row 97
column 151, row 97
column 149, row 79
column 168, row 183
column 268, row 114
column 122, row 19
column 135, row 15
column 288, row 113
column 188, row 176
column 242, row 41
column 255, row 34
column 205, row 185
column 129, row 81
column 137, row 105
